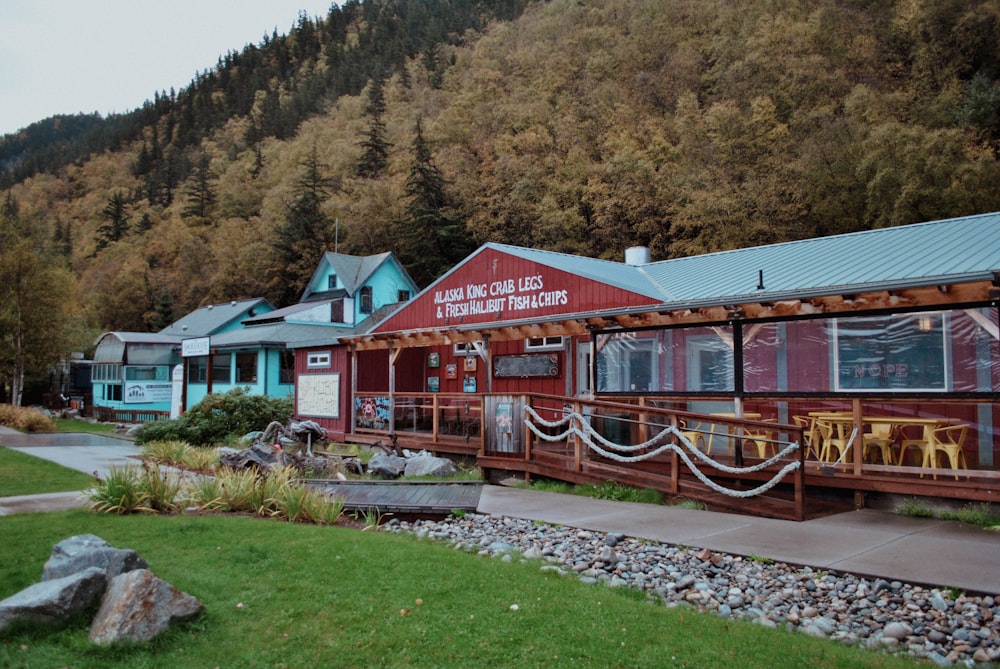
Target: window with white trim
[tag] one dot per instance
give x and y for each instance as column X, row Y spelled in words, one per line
column 464, row 348
column 543, row 344
column 318, row 360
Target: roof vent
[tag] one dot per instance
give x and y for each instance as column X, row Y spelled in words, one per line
column 233, row 303
column 637, row 255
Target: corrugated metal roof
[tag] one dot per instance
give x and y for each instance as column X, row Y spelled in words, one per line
column 210, row 319
column 280, row 335
column 921, row 254
column 620, row 275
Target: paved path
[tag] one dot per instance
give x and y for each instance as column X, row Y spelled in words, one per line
column 866, row 543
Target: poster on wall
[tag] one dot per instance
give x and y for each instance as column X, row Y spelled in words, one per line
column 319, row 395
column 434, row 360
column 469, row 385
column 470, row 363
column 433, row 384
column 451, row 371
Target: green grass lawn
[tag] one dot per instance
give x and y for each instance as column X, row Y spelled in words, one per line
column 74, row 425
column 288, row 595
column 22, row 474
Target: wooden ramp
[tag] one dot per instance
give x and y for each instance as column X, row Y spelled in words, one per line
column 403, row 497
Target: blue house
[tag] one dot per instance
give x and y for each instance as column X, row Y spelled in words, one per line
column 342, row 295
column 246, row 344
column 132, row 371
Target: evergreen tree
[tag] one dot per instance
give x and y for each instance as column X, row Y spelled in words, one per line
column 375, row 148
column 115, row 226
column 306, row 235
column 435, row 239
column 200, row 193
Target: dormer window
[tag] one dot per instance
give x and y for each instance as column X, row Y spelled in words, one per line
column 403, row 296
column 365, row 300
column 331, row 282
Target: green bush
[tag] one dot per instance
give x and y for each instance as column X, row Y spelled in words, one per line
column 219, row 417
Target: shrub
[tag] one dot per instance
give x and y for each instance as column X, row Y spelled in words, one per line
column 218, row 418
column 121, row 492
column 25, row 420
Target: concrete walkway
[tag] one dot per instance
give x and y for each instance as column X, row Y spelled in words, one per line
column 867, row 543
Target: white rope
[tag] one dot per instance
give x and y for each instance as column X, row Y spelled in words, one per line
column 575, row 419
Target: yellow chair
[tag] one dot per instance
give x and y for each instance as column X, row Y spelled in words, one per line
column 833, row 440
column 948, row 441
column 810, row 434
column 696, row 438
column 879, row 438
column 921, row 443
column 761, row 440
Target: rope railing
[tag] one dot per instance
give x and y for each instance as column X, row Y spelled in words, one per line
column 579, row 426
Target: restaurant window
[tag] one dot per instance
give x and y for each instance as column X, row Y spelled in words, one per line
column 892, row 352
column 464, row 348
column 543, row 344
column 286, row 373
column 710, row 362
column 626, row 362
column 365, row 300
column 318, row 360
column 221, row 365
column 246, row 367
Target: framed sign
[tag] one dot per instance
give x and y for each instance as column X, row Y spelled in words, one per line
column 532, row 364
column 434, row 360
column 433, row 384
column 451, row 371
column 470, row 363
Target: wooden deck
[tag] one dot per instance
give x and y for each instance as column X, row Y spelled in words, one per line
column 403, row 497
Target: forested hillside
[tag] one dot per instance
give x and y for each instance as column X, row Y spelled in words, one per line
column 428, row 127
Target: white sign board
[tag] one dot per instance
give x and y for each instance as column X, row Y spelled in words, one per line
column 177, row 391
column 195, row 347
column 319, row 395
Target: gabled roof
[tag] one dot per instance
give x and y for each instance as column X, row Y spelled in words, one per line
column 353, row 271
column 923, row 254
column 612, row 273
column 210, row 319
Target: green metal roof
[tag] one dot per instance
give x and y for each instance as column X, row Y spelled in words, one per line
column 922, row 254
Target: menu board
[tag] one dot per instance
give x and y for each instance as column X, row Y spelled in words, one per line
column 530, row 364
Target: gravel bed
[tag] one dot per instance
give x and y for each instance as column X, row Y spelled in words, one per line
column 945, row 627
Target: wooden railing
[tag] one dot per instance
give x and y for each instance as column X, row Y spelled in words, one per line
column 109, row 415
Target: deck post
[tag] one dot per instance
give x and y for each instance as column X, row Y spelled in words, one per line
column 857, row 444
column 527, row 430
column 435, row 418
column 577, row 442
column 675, row 463
column 800, row 477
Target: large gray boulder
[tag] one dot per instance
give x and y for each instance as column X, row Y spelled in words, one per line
column 55, row 601
column 138, row 606
column 84, row 551
column 425, row 464
column 386, row 466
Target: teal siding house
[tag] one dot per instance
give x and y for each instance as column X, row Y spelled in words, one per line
column 243, row 344
column 132, row 371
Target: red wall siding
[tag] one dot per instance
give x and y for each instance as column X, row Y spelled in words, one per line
column 339, row 362
column 493, row 286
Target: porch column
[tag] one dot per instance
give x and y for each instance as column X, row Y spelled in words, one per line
column 393, row 354
column 488, row 359
column 352, row 421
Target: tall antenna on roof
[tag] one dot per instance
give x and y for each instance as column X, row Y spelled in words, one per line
column 336, row 234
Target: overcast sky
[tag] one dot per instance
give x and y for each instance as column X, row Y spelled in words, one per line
column 71, row 56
